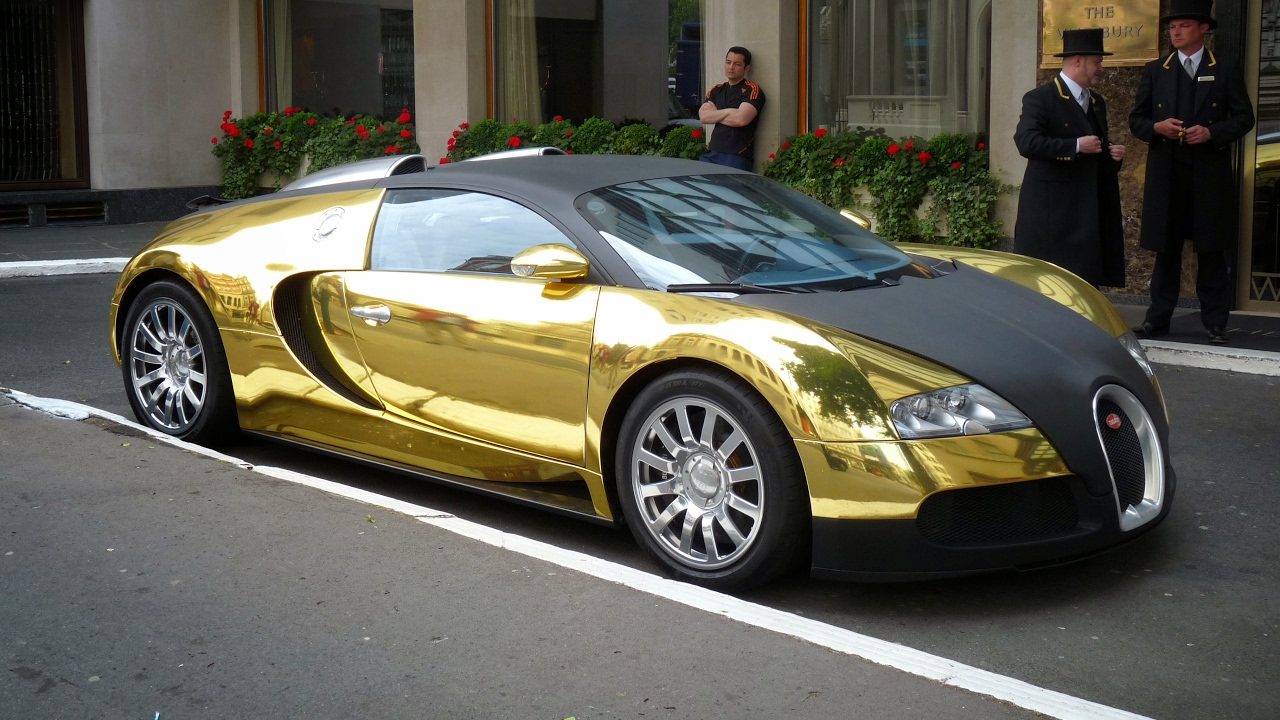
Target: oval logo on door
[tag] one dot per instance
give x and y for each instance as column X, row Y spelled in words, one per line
column 1113, row 421
column 328, row 223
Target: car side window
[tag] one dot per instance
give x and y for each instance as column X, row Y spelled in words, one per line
column 435, row 230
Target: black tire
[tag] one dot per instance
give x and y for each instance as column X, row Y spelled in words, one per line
column 178, row 375
column 764, row 548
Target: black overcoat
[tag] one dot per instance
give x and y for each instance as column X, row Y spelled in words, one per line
column 1221, row 105
column 1069, row 207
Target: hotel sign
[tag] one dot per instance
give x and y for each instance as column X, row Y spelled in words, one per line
column 1130, row 28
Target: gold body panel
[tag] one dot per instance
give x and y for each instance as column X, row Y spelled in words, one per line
column 504, row 382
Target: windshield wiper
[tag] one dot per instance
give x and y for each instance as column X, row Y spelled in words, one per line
column 743, row 288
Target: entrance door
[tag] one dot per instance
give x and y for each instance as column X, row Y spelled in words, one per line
column 1259, row 265
column 453, row 339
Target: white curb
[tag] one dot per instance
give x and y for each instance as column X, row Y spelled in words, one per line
column 881, row 652
column 40, row 268
column 1252, row 362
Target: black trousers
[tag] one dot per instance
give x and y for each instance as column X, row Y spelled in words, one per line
column 1213, row 283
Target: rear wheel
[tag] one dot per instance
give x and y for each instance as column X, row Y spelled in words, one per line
column 710, row 483
column 175, row 369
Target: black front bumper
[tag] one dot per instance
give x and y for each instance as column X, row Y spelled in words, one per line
column 897, row 550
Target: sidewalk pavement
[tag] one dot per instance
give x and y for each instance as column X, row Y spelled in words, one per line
column 1254, row 347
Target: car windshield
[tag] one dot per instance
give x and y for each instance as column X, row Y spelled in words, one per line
column 741, row 230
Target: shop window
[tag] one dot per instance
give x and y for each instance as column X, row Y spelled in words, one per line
column 42, row 135
column 909, row 67
column 617, row 59
column 338, row 58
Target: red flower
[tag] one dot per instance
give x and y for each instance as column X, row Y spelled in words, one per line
column 226, row 114
column 456, row 133
column 820, row 132
column 215, row 141
column 910, row 144
column 464, row 126
column 568, row 133
column 452, row 144
column 893, row 149
column 350, row 121
column 279, row 144
column 233, row 131
column 444, row 161
column 224, row 126
column 568, row 152
column 266, row 130
column 311, row 121
column 248, row 143
column 405, row 134
column 773, row 156
column 955, row 165
column 786, row 145
column 392, row 149
column 982, row 146
column 404, row 117
column 696, row 134
column 513, row 141
column 557, row 119
column 361, row 129
column 925, row 157
column 839, row 162
column 382, row 128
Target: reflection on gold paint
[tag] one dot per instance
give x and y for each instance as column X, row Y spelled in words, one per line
column 1050, row 280
column 493, row 357
column 889, row 480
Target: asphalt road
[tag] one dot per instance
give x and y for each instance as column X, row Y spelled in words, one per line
column 1180, row 624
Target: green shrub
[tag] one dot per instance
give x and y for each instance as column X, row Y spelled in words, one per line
column 477, row 139
column 684, row 142
column 594, row 137
column 637, row 139
column 557, row 133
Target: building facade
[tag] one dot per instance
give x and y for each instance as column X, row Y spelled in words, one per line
column 107, row 106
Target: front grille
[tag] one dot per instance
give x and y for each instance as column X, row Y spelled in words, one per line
column 1124, row 454
column 75, row 213
column 1014, row 512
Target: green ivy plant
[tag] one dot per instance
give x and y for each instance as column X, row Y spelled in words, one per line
column 278, row 142
column 841, row 168
column 637, row 139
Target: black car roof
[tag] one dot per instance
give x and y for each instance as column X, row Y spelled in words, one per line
column 547, row 178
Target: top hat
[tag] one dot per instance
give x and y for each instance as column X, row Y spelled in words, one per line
column 1191, row 9
column 1086, row 41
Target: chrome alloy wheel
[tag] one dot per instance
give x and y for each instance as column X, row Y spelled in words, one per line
column 166, row 366
column 696, row 479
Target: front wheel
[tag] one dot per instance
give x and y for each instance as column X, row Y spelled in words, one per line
column 175, row 369
column 710, row 482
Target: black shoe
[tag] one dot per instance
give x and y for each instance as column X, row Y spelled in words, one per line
column 1146, row 330
column 1218, row 335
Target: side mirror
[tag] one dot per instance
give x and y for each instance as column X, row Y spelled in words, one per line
column 857, row 217
column 552, row 261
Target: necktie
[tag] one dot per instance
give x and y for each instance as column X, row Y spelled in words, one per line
column 1191, row 70
column 1084, row 100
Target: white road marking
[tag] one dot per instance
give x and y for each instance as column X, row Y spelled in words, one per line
column 908, row 660
column 1252, row 362
column 40, row 268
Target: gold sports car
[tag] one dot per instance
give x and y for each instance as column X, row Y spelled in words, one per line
column 750, row 381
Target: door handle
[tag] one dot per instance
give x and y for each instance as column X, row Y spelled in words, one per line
column 373, row 314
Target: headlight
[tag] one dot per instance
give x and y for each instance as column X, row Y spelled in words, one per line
column 959, row 410
column 1130, row 343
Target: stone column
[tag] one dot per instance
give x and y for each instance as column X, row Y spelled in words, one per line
column 770, row 30
column 449, row 68
column 243, row 17
column 1015, row 36
column 158, row 79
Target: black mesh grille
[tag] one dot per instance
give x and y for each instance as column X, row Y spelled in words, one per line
column 1124, row 453
column 409, row 166
column 1016, row 512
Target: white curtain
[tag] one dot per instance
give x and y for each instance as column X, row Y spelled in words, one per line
column 277, row 34
column 519, row 95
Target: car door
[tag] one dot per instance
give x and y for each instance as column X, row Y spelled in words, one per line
column 453, row 339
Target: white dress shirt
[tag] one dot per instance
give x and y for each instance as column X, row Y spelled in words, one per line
column 1080, row 94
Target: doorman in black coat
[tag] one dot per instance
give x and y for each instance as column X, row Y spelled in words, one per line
column 1069, row 207
column 1191, row 107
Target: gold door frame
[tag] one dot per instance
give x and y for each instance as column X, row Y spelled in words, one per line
column 1244, row 259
